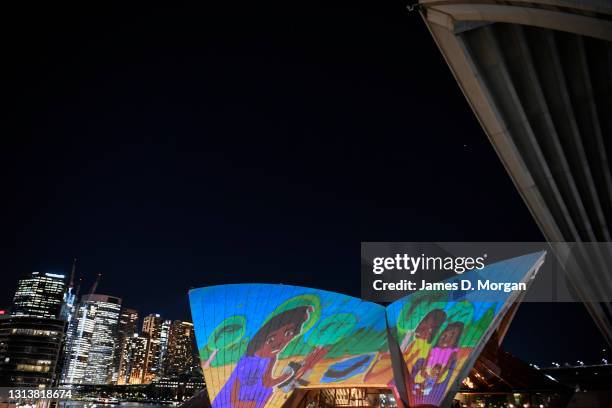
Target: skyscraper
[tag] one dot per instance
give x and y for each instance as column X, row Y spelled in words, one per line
column 151, row 329
column 126, row 328
column 67, row 313
column 90, row 359
column 163, row 340
column 181, row 356
column 39, row 295
column 32, row 336
column 132, row 361
column 80, row 331
column 30, row 350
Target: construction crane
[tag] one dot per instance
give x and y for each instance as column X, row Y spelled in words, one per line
column 72, row 273
column 95, row 285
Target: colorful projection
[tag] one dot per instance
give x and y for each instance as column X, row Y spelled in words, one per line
column 259, row 342
column 440, row 334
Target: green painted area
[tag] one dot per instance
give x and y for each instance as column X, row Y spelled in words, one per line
column 228, row 332
column 228, row 355
column 331, row 329
column 475, row 330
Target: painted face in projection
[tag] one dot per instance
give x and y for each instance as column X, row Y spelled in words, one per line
column 252, row 382
column 430, row 325
column 450, row 336
column 277, row 332
column 277, row 340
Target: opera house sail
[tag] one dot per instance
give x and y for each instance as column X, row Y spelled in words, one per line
column 259, row 343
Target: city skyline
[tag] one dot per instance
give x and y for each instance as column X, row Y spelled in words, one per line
column 81, row 285
column 51, row 334
column 189, row 146
column 140, row 324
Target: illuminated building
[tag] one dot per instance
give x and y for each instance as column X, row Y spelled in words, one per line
column 163, row 340
column 132, row 362
column 67, row 313
column 90, row 356
column 100, row 361
column 268, row 346
column 180, row 357
column 80, row 331
column 39, row 295
column 32, row 335
column 30, row 350
column 152, row 329
column 126, row 327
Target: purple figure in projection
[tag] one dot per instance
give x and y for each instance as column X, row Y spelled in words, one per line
column 429, row 377
column 251, row 383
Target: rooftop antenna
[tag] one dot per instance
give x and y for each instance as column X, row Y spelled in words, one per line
column 95, row 285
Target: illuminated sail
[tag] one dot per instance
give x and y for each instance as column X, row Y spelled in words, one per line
column 441, row 333
column 259, row 342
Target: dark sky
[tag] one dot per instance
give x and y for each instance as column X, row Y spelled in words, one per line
column 177, row 147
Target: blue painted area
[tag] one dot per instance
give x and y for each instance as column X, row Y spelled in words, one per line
column 349, row 367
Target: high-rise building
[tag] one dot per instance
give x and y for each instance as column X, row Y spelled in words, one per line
column 180, row 357
column 67, row 313
column 163, row 340
column 32, row 335
column 39, row 295
column 100, row 362
column 80, row 331
column 132, row 362
column 151, row 329
column 151, row 325
column 30, row 350
column 126, row 328
column 90, row 356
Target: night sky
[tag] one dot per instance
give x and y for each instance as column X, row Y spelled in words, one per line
column 178, row 147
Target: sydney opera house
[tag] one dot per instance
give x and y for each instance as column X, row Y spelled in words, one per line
column 537, row 76
column 266, row 345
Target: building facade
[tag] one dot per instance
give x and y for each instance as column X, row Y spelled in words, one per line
column 39, row 295
column 163, row 340
column 32, row 336
column 80, row 334
column 90, row 355
column 126, row 328
column 152, row 329
column 30, row 349
column 181, row 357
column 100, row 362
column 132, row 362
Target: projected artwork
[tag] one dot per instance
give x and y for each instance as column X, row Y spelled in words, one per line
column 438, row 332
column 258, row 342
